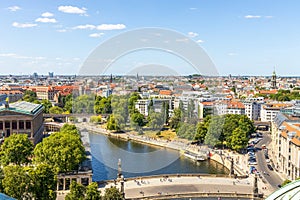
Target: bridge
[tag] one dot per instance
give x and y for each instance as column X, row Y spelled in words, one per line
column 84, row 117
column 263, row 126
column 184, row 186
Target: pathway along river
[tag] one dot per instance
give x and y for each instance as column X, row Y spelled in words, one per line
column 141, row 160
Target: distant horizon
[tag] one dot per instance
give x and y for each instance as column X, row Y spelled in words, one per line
column 247, row 38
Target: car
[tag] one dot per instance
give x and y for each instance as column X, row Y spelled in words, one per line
column 267, row 158
column 270, row 167
column 263, row 146
column 251, row 153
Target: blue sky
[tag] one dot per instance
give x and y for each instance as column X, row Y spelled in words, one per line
column 242, row 37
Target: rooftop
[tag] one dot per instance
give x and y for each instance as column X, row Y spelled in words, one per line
column 23, row 107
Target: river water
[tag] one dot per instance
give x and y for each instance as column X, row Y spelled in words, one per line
column 141, row 160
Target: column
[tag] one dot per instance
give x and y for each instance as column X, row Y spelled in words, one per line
column 31, row 122
column 17, row 126
column 10, row 128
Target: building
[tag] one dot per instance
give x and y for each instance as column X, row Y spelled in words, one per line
column 2, row 99
column 22, row 117
column 206, row 108
column 253, row 107
column 269, row 111
column 235, row 107
column 286, row 145
column 142, row 106
column 12, row 94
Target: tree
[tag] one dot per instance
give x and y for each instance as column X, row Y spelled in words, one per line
column 47, row 105
column 112, row 123
column 43, row 182
column 92, row 192
column 16, row 182
column 156, row 120
column 137, row 119
column 176, row 118
column 56, row 110
column 132, row 100
column 63, row 151
column 102, row 105
column 16, row 149
column 201, row 132
column 239, row 139
column 77, row 192
column 29, row 96
column 96, row 119
column 214, row 130
column 84, row 104
column 186, row 131
column 112, row 193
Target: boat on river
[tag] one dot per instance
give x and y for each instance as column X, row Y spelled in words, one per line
column 195, row 156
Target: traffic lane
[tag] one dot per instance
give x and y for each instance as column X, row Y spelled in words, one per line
column 272, row 178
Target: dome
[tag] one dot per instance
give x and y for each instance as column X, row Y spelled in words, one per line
column 290, row 191
column 5, row 197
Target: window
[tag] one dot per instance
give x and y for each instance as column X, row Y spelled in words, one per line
column 1, row 125
column 7, row 124
column 21, row 125
column 14, row 125
column 28, row 125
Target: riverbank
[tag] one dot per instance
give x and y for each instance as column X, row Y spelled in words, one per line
column 175, row 144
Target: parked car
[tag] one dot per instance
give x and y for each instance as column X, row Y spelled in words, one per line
column 267, row 158
column 263, row 146
column 270, row 167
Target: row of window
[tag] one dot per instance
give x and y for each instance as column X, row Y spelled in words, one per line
column 14, row 125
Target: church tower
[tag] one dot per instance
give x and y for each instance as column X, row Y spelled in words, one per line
column 273, row 80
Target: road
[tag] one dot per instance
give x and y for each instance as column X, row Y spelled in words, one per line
column 271, row 176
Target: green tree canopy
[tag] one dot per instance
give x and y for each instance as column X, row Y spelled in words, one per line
column 16, row 149
column 92, row 192
column 112, row 123
column 56, row 110
column 47, row 105
column 43, row 180
column 63, row 151
column 77, row 192
column 112, row 193
column 16, row 182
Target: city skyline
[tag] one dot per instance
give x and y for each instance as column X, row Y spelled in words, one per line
column 241, row 37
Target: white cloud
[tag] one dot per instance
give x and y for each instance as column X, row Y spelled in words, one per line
column 232, row 54
column 269, row 17
column 46, row 20
column 86, row 26
column 96, row 35
column 192, row 34
column 199, row 41
column 102, row 27
column 24, row 25
column 14, row 8
column 47, row 14
column 62, row 30
column 106, row 27
column 193, row 8
column 252, row 16
column 72, row 10
column 8, row 54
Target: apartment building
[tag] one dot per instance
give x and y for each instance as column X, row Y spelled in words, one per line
column 286, row 145
column 270, row 110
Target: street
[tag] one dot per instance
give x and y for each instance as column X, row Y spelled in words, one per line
column 271, row 176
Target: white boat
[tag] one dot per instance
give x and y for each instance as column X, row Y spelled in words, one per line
column 194, row 156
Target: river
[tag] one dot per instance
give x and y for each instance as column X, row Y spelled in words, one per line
column 141, row 160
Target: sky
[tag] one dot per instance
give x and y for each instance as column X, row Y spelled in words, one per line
column 241, row 37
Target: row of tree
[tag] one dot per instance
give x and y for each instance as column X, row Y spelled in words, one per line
column 30, row 172
column 231, row 130
column 80, row 192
